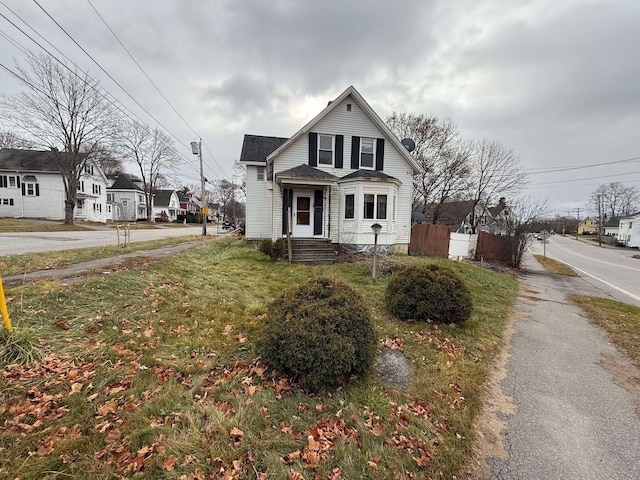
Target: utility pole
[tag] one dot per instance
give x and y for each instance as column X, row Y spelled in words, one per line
column 577, row 221
column 599, row 221
column 196, row 149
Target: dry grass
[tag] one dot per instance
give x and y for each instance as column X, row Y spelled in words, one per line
column 620, row 321
column 553, row 266
column 25, row 225
column 19, row 264
column 152, row 373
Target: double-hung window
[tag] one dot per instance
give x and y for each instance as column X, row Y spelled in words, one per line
column 367, row 153
column 260, row 176
column 325, row 149
column 30, row 189
column 375, row 206
column 349, row 206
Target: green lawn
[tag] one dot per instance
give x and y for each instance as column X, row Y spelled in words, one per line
column 152, row 373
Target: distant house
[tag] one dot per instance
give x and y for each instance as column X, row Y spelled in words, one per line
column 457, row 215
column 187, row 205
column 612, row 226
column 588, row 226
column 341, row 173
column 126, row 198
column 166, row 202
column 31, row 186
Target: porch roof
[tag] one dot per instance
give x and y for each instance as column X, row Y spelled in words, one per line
column 305, row 173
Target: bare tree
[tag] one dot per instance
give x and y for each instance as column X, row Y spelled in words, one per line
column 63, row 111
column 108, row 162
column 240, row 177
column 494, row 172
column 10, row 140
column 615, row 199
column 224, row 192
column 523, row 219
column 442, row 156
column 152, row 151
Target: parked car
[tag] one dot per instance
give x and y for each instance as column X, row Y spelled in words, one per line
column 227, row 225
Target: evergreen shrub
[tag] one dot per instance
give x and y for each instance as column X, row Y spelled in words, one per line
column 319, row 333
column 428, row 293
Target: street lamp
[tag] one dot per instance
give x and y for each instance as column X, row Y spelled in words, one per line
column 375, row 228
column 196, row 149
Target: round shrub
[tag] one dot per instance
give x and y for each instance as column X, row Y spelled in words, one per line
column 319, row 332
column 428, row 293
column 274, row 250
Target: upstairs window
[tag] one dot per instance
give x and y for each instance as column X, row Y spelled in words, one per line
column 81, row 186
column 367, row 153
column 9, row 181
column 260, row 175
column 97, row 189
column 325, row 149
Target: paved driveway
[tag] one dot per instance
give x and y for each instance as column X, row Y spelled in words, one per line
column 16, row 243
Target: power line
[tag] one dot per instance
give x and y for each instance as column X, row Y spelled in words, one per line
column 580, row 167
column 588, row 178
column 113, row 101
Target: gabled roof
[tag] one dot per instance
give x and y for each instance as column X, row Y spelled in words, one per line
column 256, row 148
column 183, row 198
column 305, row 171
column 613, row 222
column 366, row 108
column 162, row 198
column 28, row 160
column 122, row 182
column 373, row 174
column 452, row 213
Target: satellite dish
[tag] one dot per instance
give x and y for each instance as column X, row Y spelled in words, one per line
column 409, row 144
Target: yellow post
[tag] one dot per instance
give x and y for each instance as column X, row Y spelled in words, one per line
column 3, row 309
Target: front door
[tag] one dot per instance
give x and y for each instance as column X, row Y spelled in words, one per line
column 302, row 210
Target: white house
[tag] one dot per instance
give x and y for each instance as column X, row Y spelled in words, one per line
column 31, row 186
column 166, row 202
column 629, row 230
column 339, row 174
column 127, row 199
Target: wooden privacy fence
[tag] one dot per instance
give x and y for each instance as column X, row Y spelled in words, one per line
column 493, row 248
column 427, row 239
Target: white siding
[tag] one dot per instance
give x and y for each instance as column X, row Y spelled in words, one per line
column 258, row 223
column 354, row 123
column 634, row 241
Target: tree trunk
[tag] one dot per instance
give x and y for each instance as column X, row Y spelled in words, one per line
column 68, row 212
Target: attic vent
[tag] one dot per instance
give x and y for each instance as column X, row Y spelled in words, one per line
column 348, row 107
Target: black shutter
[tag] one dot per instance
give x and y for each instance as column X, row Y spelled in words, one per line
column 37, row 189
column 313, row 149
column 317, row 212
column 24, row 192
column 3, row 181
column 380, row 154
column 18, row 181
column 287, row 201
column 355, row 153
column 339, row 150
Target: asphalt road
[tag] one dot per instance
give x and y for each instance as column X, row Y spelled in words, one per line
column 612, row 270
column 571, row 397
column 17, row 243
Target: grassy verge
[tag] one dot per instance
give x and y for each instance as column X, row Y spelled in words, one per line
column 22, row 225
column 18, row 264
column 553, row 266
column 635, row 256
column 620, row 321
column 152, row 373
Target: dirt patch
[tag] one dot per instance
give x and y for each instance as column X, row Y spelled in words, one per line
column 624, row 376
column 528, row 297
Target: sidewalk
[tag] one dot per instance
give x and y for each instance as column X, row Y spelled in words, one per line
column 567, row 404
column 73, row 273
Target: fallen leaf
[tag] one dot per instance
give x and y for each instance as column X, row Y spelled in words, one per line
column 169, row 463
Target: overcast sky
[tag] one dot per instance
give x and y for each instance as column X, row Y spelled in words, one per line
column 556, row 81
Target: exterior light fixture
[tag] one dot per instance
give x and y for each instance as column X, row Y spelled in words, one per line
column 376, row 228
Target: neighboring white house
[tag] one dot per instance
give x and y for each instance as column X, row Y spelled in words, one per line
column 167, row 202
column 127, row 199
column 629, row 230
column 31, row 186
column 339, row 174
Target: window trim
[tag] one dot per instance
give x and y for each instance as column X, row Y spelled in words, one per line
column 373, row 154
column 333, row 149
column 375, row 214
column 353, row 206
column 261, row 171
column 31, row 185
